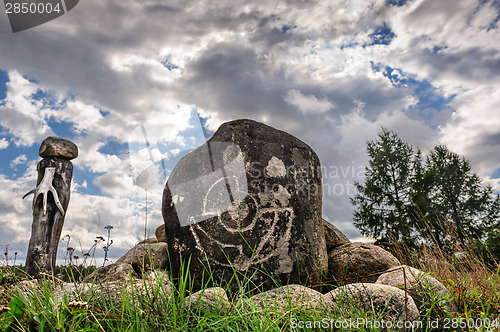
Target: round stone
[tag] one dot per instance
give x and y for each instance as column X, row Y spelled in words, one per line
column 58, row 147
column 359, row 262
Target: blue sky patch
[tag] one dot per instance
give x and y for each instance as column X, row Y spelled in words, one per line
column 397, row 3
column 286, row 28
column 62, row 128
column 4, row 78
column 48, row 99
column 169, row 65
column 114, row 148
column 430, row 99
column 438, row 48
column 104, row 113
column 382, row 35
column 207, row 132
column 349, row 45
column 191, row 138
column 13, row 152
column 496, row 174
column 81, row 176
column 429, row 96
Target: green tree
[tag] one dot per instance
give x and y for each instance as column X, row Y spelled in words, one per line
column 457, row 197
column 420, row 210
column 493, row 243
column 407, row 200
column 385, row 197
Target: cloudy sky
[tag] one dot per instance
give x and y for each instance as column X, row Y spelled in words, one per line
column 330, row 72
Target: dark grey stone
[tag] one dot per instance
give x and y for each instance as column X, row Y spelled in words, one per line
column 247, row 202
column 58, row 147
column 160, row 233
column 333, row 236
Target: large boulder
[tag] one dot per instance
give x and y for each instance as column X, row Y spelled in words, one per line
column 122, row 282
column 210, row 299
column 160, row 233
column 288, row 297
column 113, row 272
column 248, row 202
column 380, row 301
column 359, row 262
column 418, row 284
column 333, row 236
column 146, row 255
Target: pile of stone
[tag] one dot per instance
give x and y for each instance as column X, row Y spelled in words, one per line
column 248, row 204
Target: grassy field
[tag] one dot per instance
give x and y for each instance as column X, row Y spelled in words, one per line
column 37, row 306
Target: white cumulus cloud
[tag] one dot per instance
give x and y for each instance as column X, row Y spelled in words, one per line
column 3, row 143
column 307, row 104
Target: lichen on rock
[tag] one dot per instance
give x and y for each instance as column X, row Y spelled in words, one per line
column 252, row 206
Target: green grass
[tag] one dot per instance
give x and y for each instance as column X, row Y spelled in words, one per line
column 134, row 310
column 146, row 308
column 143, row 306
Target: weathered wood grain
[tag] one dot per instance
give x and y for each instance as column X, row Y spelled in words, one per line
column 46, row 228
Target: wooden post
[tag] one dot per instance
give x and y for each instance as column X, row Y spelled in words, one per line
column 50, row 203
